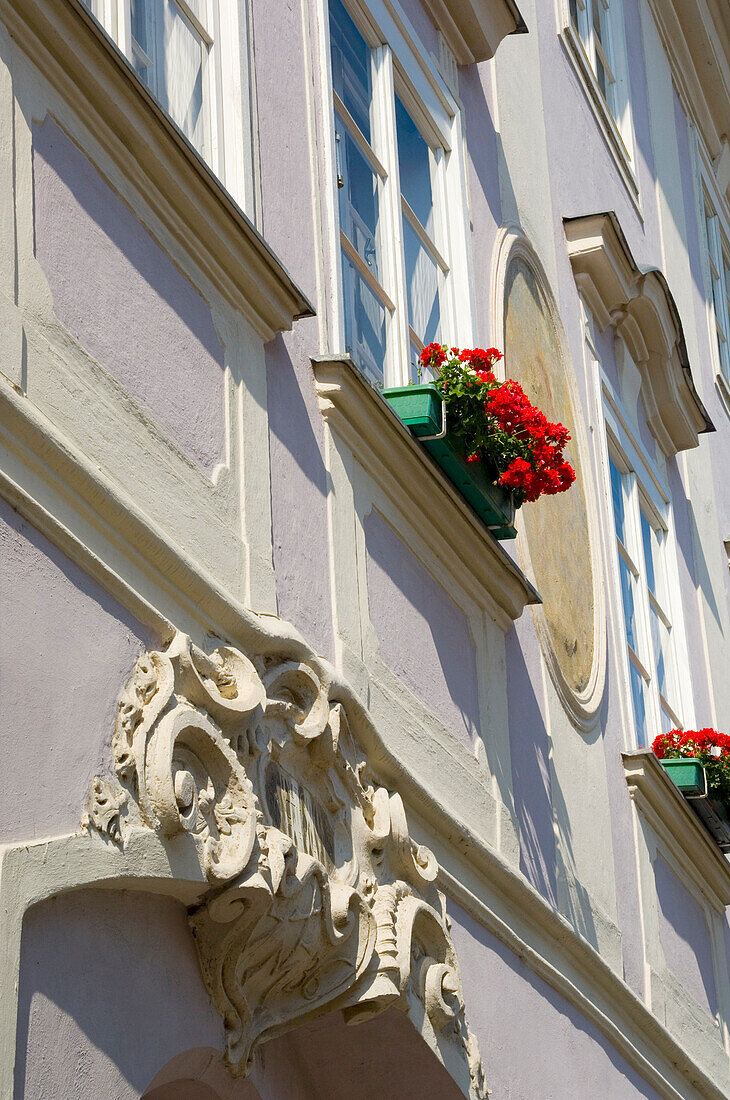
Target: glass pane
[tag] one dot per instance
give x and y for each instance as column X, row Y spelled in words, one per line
column 358, row 199
column 350, row 66
column 414, row 163
column 574, row 13
column 365, row 324
column 638, row 696
column 663, row 658
column 667, row 721
column 422, row 280
column 168, row 56
column 648, row 538
column 96, row 7
column 617, row 495
column 628, row 585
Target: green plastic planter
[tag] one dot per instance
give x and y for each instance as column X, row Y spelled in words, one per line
column 421, row 409
column 686, row 773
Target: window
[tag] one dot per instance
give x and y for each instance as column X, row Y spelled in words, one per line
column 590, row 21
column 187, row 52
column 641, row 541
column 718, row 253
column 595, row 39
column 394, row 163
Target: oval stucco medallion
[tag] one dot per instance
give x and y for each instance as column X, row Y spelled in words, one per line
column 556, row 528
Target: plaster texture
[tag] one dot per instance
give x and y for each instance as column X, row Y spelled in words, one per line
column 685, row 937
column 110, row 990
column 298, row 491
column 524, row 1024
column 530, row 756
column 124, row 299
column 72, row 648
column 424, row 638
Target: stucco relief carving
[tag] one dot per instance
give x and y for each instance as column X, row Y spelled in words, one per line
column 316, row 896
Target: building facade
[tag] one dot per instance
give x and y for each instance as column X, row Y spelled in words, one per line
column 312, row 786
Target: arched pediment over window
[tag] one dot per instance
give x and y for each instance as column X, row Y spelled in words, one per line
column 640, row 305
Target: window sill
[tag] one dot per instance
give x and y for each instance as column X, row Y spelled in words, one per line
column 606, row 123
column 382, row 444
column 678, row 826
column 93, row 77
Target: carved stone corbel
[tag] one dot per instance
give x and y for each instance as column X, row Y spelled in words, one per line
column 314, row 897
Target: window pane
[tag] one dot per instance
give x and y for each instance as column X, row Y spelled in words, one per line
column 365, row 324
column 628, row 585
column 638, row 691
column 648, row 538
column 574, row 13
column 617, row 494
column 667, row 721
column 168, row 56
column 96, row 7
column 414, row 163
column 350, row 66
column 662, row 646
column 422, row 280
column 358, row 199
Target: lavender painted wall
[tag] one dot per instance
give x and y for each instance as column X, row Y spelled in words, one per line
column 124, row 300
column 423, row 636
column 67, row 650
column 534, row 1043
column 685, row 937
column 530, row 756
column 298, row 492
column 90, row 1024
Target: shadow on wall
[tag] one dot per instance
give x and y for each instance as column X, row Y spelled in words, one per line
column 298, row 489
column 121, row 296
column 530, row 756
column 325, row 1060
column 423, row 636
column 110, row 989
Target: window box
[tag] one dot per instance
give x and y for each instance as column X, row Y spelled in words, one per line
column 421, row 410
column 688, row 775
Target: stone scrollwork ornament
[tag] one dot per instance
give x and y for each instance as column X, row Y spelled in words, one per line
column 315, row 897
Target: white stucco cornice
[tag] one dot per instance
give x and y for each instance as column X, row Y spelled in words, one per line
column 641, row 307
column 672, row 819
column 473, row 29
column 93, row 77
column 696, row 37
column 405, row 471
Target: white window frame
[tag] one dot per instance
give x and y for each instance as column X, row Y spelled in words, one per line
column 402, row 65
column 223, row 27
column 708, row 195
column 648, row 488
column 614, row 118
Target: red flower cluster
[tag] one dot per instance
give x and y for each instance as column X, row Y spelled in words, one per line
column 545, row 471
column 708, row 746
column 498, row 423
column 691, row 743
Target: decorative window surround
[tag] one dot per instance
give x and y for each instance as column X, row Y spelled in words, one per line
column 85, row 67
column 641, row 307
column 688, row 31
column 474, row 29
column 618, row 131
column 691, row 846
column 391, row 455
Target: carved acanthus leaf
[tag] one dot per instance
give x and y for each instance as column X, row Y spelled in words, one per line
column 316, row 897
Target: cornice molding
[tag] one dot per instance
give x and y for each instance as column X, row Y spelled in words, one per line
column 641, row 307
column 677, row 825
column 93, row 77
column 473, row 29
column 402, row 467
